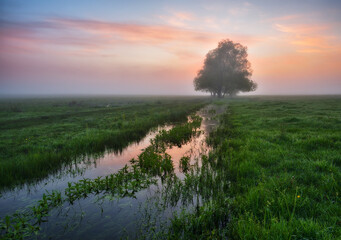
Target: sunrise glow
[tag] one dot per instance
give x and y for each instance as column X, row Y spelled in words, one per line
column 156, row 47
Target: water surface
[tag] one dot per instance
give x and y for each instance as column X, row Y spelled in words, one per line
column 92, row 218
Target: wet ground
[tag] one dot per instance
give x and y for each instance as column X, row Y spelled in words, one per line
column 92, row 218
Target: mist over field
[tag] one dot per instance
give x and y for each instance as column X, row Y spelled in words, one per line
column 157, row 48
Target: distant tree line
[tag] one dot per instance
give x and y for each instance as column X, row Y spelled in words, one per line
column 226, row 71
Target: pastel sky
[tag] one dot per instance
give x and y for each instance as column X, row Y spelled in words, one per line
column 157, row 47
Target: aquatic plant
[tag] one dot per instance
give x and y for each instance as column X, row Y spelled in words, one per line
column 125, row 183
column 177, row 135
column 184, row 164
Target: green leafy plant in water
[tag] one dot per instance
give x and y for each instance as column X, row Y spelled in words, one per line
column 184, row 164
column 23, row 224
column 178, row 135
column 155, row 163
column 125, row 183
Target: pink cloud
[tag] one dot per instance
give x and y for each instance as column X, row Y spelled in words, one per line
column 96, row 36
column 131, row 32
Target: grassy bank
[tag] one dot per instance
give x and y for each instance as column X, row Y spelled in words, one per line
column 274, row 173
column 283, row 162
column 38, row 136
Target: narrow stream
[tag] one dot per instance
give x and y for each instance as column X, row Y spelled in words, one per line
column 93, row 219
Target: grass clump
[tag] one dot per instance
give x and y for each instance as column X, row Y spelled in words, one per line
column 177, row 135
column 184, row 164
column 155, row 163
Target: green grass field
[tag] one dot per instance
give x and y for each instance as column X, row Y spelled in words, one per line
column 273, row 172
column 282, row 159
column 38, row 136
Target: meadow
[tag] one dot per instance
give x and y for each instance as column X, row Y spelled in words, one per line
column 281, row 158
column 273, row 171
column 285, row 168
column 40, row 135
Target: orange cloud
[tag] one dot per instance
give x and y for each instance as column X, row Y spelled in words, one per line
column 311, row 38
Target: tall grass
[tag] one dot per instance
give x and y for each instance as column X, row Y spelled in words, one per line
column 283, row 159
column 41, row 142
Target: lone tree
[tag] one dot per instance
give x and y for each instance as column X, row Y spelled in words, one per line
column 226, row 71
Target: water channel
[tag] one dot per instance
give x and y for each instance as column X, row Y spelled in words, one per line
column 91, row 218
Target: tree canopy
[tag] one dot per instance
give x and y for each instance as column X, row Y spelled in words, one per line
column 226, row 71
